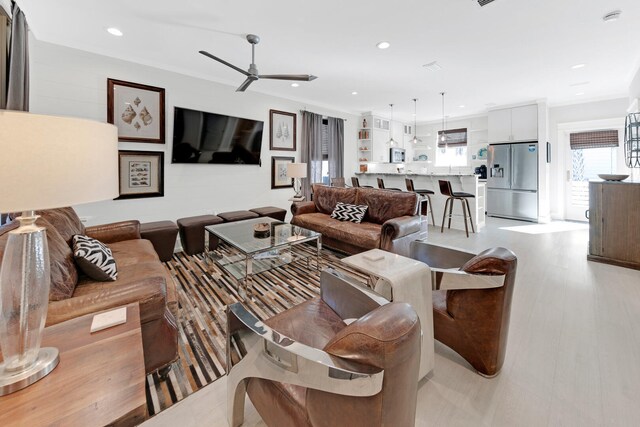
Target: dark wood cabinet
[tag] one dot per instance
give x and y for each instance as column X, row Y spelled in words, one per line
column 614, row 223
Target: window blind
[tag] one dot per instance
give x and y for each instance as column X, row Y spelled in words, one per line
column 325, row 139
column 593, row 139
column 452, row 138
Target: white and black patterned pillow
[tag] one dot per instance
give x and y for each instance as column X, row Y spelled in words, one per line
column 94, row 258
column 347, row 212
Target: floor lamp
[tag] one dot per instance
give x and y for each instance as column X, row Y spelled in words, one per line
column 47, row 162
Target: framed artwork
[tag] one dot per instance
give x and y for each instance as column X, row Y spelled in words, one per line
column 141, row 174
column 136, row 110
column 282, row 130
column 279, row 172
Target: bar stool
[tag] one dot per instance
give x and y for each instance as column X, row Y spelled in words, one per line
column 355, row 182
column 338, row 182
column 445, row 190
column 424, row 197
column 382, row 187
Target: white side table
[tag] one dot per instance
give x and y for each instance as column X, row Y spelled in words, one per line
column 402, row 279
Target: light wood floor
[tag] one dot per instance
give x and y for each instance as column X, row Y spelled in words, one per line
column 573, row 356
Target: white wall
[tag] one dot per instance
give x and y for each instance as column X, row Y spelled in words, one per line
column 634, row 88
column 71, row 82
column 587, row 112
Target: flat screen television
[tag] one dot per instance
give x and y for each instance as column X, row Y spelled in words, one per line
column 201, row 137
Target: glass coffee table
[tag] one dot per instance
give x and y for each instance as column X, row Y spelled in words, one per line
column 251, row 254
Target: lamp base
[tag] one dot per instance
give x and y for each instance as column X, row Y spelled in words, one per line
column 45, row 363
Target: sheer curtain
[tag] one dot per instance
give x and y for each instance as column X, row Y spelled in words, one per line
column 311, row 150
column 335, row 133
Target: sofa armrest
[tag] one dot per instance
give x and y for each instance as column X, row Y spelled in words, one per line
column 299, row 208
column 149, row 293
column 440, row 256
column 115, row 232
column 400, row 227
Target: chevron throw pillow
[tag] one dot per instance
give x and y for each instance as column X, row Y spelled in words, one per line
column 347, row 212
column 94, row 258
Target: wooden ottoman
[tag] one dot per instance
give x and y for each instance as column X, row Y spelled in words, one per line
column 162, row 235
column 192, row 232
column 271, row 212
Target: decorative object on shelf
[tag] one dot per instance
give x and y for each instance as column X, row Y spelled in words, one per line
column 632, row 140
column 282, row 130
column 482, row 153
column 391, row 142
column 612, row 177
column 364, row 123
column 364, row 168
column 141, row 174
column 56, row 159
column 279, row 167
column 297, row 171
column 415, row 139
column 137, row 111
column 363, row 134
column 252, row 73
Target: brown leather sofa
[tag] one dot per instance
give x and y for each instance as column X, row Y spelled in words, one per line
column 473, row 322
column 307, row 367
column 390, row 224
column 141, row 278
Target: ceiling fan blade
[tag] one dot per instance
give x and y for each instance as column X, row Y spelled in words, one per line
column 245, row 84
column 300, row 77
column 222, row 61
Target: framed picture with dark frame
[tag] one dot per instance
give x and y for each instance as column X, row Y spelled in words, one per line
column 279, row 177
column 282, row 130
column 141, row 174
column 137, row 111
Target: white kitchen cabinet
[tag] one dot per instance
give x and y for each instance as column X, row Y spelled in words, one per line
column 514, row 124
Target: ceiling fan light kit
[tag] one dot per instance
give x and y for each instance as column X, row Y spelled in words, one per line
column 252, row 73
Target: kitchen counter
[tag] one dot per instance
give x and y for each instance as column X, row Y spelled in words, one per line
column 460, row 182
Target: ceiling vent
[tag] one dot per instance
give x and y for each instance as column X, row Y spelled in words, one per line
column 484, row 2
column 433, row 66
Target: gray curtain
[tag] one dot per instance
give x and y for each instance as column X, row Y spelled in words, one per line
column 311, row 150
column 335, row 133
column 18, row 85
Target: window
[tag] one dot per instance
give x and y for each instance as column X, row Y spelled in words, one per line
column 452, row 147
column 325, row 151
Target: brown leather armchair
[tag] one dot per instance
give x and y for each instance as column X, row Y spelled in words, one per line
column 307, row 367
column 471, row 301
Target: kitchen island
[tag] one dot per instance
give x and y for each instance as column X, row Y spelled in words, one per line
column 467, row 183
column 614, row 223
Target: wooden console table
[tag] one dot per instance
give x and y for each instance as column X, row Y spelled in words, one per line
column 614, row 223
column 99, row 380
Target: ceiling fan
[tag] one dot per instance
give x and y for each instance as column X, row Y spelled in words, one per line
column 252, row 72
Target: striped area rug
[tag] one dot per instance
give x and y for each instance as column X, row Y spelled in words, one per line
column 204, row 290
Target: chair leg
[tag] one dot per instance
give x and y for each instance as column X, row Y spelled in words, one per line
column 444, row 215
column 430, row 210
column 163, row 373
column 450, row 212
column 464, row 214
column 470, row 216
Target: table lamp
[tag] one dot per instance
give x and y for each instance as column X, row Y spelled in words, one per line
column 297, row 171
column 46, row 162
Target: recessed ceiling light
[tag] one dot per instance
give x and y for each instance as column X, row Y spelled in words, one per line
column 433, row 66
column 460, row 106
column 354, row 93
column 579, row 84
column 383, row 45
column 612, row 16
column 578, row 66
column 114, row 31
column 579, row 93
column 294, row 85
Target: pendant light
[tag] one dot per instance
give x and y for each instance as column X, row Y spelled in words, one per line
column 415, row 139
column 443, row 138
column 391, row 141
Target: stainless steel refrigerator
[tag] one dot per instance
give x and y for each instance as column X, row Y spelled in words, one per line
column 512, row 181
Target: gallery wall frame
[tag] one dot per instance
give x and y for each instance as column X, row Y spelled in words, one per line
column 279, row 177
column 282, row 130
column 141, row 174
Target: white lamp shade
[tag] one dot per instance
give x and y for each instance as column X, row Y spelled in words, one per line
column 296, row 170
column 50, row 162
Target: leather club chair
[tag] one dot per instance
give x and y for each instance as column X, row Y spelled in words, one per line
column 471, row 301
column 307, row 367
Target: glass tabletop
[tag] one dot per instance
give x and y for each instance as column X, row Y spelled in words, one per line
column 240, row 234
